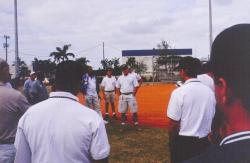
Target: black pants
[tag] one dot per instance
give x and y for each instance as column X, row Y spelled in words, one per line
column 185, row 147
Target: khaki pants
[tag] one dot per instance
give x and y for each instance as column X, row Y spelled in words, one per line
column 125, row 101
column 109, row 97
column 93, row 102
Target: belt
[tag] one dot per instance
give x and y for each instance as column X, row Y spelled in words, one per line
column 129, row 93
column 193, row 137
column 8, row 141
column 110, row 91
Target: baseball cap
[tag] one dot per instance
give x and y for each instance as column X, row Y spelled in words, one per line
column 32, row 73
column 230, row 54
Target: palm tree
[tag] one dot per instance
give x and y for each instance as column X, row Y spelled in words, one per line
column 61, row 54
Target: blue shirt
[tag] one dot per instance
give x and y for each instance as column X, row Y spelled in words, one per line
column 38, row 92
column 26, row 87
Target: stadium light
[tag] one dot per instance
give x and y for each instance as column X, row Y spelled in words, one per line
column 16, row 40
column 210, row 28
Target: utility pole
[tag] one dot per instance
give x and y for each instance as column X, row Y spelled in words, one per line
column 103, row 54
column 6, row 45
column 16, row 40
column 210, row 27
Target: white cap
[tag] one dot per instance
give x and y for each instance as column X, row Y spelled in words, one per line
column 32, row 73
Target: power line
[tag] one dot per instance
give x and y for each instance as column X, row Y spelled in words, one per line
column 113, row 47
column 89, row 49
column 32, row 55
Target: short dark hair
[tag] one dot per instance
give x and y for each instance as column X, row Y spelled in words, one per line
column 109, row 69
column 3, row 64
column 230, row 59
column 191, row 66
column 205, row 68
column 124, row 67
column 40, row 75
column 68, row 76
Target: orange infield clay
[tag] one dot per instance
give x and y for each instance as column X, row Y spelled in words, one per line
column 152, row 102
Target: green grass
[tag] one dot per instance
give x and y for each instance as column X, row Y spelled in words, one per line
column 133, row 145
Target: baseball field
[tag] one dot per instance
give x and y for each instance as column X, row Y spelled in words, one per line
column 152, row 102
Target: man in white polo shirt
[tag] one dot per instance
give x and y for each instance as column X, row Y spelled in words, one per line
column 92, row 90
column 191, row 111
column 127, row 87
column 108, row 88
column 60, row 129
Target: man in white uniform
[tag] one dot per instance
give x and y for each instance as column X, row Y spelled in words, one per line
column 60, row 129
column 127, row 87
column 108, row 88
column 191, row 109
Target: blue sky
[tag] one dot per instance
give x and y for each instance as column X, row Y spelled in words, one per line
column 122, row 25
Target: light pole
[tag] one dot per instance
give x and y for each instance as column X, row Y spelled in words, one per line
column 16, row 40
column 103, row 53
column 210, row 27
column 6, row 45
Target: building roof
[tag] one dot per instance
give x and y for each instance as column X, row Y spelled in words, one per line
column 155, row 52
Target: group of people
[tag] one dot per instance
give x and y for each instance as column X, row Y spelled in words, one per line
column 126, row 86
column 37, row 127
column 34, row 89
column 210, row 113
column 60, row 129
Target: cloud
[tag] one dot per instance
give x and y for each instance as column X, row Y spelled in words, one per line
column 223, row 2
column 46, row 24
column 148, row 26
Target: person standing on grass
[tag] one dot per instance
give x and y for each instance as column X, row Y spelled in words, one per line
column 27, row 86
column 12, row 106
column 191, row 110
column 60, row 129
column 91, row 91
column 127, row 87
column 230, row 56
column 108, row 88
column 38, row 91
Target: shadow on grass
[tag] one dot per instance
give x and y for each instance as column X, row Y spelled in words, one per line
column 130, row 144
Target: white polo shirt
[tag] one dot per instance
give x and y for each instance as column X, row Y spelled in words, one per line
column 193, row 104
column 207, row 80
column 108, row 83
column 60, row 130
column 127, row 83
column 91, row 88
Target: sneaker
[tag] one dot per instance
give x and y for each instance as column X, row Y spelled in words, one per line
column 105, row 122
column 136, row 123
column 137, row 128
